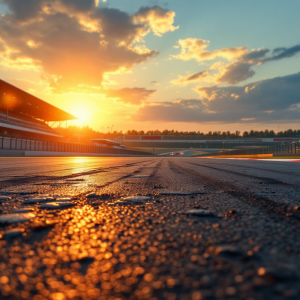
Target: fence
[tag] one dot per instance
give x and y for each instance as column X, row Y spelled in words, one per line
column 10, row 143
column 290, row 148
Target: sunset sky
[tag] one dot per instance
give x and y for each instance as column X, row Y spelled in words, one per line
column 138, row 64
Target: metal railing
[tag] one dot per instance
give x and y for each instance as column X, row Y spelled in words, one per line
column 11, row 143
column 22, row 123
column 290, row 148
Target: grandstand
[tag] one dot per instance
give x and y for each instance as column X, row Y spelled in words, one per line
column 107, row 143
column 23, row 115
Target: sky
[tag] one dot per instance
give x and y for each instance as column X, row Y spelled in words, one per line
column 193, row 65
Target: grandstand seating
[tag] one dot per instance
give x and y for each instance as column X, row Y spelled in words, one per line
column 24, row 116
column 38, row 126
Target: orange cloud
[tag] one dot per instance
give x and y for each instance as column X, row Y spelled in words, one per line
column 193, row 48
column 74, row 43
column 132, row 96
column 241, row 60
column 158, row 20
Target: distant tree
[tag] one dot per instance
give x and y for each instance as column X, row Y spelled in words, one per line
column 272, row 133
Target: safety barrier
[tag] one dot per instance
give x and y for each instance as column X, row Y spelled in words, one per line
column 10, row 143
column 290, row 148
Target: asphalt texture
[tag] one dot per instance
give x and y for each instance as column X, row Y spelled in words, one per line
column 207, row 229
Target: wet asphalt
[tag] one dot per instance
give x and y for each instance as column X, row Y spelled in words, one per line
column 207, row 229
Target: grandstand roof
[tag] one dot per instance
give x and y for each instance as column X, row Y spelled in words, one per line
column 106, row 142
column 24, row 103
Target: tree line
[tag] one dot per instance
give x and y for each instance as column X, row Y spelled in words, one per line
column 220, row 134
column 84, row 134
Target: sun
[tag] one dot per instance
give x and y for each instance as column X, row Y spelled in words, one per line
column 82, row 113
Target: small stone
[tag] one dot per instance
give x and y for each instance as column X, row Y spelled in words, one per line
column 158, row 187
column 199, row 212
column 105, row 196
column 16, row 218
column 116, row 203
column 23, row 210
column 15, row 192
column 35, row 200
column 92, row 195
column 229, row 250
column 63, row 199
column 179, row 193
column 230, row 213
column 57, row 205
column 13, row 233
column 4, row 198
column 136, row 199
column 279, row 271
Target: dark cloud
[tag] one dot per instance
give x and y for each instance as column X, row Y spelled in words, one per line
column 254, row 55
column 24, row 10
column 74, row 43
column 117, row 26
column 133, row 96
column 191, row 78
column 183, row 110
column 280, row 53
column 241, row 61
column 235, row 72
column 267, row 101
column 30, row 9
column 195, row 76
column 79, row 5
column 242, row 69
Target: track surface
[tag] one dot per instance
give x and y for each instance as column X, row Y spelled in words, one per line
column 249, row 249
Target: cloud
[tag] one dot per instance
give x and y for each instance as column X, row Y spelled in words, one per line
column 133, row 96
column 241, row 60
column 74, row 43
column 30, row 9
column 280, row 53
column 192, row 48
column 267, row 101
column 155, row 82
column 234, row 73
column 159, row 20
column 200, row 76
